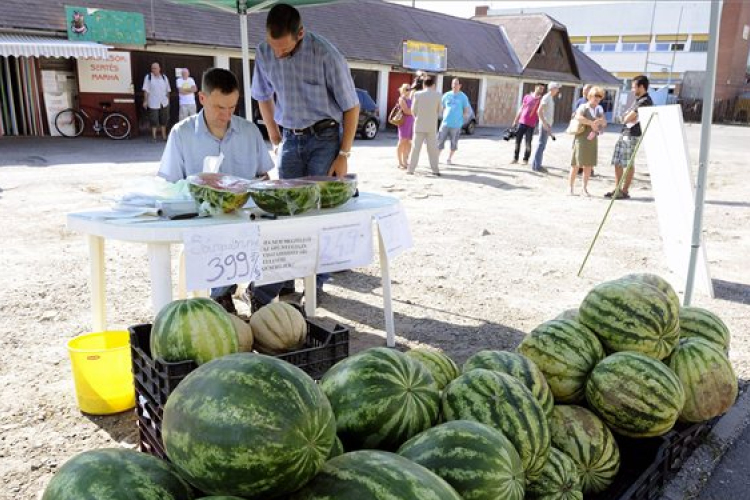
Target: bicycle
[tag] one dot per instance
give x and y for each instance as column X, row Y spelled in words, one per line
column 71, row 122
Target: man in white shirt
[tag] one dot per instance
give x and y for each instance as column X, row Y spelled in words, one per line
column 426, row 108
column 187, row 89
column 156, row 91
column 546, row 120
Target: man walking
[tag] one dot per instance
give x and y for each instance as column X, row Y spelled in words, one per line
column 156, row 91
column 631, row 131
column 303, row 83
column 526, row 119
column 456, row 109
column 425, row 107
column 546, row 120
column 187, row 89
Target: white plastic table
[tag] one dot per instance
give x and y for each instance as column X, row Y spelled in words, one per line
column 159, row 235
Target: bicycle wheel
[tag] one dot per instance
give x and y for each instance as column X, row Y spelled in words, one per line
column 116, row 126
column 69, row 123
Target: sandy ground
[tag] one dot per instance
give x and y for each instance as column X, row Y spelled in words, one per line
column 497, row 249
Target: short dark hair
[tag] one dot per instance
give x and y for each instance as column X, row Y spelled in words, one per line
column 641, row 81
column 428, row 80
column 219, row 79
column 283, row 20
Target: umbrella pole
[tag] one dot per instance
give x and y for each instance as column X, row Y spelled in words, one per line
column 246, row 67
column 706, row 119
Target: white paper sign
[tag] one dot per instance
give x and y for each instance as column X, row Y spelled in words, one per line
column 345, row 244
column 109, row 76
column 222, row 255
column 394, row 230
column 290, row 250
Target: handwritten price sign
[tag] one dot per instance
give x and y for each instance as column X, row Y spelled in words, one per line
column 346, row 244
column 222, row 255
column 394, row 231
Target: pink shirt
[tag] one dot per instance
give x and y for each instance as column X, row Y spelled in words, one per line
column 529, row 110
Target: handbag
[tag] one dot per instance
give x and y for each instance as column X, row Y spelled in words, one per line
column 575, row 127
column 396, row 116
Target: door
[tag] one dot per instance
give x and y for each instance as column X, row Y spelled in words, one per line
column 395, row 80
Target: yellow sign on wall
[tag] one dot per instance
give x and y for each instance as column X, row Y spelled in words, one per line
column 425, row 56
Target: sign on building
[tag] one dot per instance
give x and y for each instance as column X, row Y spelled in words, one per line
column 106, row 76
column 105, row 26
column 425, row 56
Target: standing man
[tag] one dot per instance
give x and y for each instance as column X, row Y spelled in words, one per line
column 425, row 107
column 581, row 100
column 187, row 89
column 156, row 91
column 631, row 131
column 526, row 119
column 216, row 130
column 456, row 109
column 546, row 120
column 315, row 103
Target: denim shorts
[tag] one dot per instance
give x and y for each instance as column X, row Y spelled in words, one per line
column 448, row 133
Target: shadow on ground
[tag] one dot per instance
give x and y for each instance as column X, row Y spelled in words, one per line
column 121, row 427
column 734, row 292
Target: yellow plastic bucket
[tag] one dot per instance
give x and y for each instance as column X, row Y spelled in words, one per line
column 102, row 372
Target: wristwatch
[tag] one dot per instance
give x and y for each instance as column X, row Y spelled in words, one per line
column 345, row 154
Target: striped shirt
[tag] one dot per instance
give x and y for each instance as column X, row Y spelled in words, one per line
column 311, row 85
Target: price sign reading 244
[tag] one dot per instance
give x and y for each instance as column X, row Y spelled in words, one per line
column 222, row 255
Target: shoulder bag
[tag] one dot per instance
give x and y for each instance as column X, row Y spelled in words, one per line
column 396, row 116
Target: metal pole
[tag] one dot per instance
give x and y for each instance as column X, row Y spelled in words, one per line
column 674, row 54
column 651, row 35
column 246, row 66
column 708, row 110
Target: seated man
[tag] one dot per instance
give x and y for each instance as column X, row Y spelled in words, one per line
column 213, row 131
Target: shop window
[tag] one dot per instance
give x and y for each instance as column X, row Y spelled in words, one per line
column 677, row 47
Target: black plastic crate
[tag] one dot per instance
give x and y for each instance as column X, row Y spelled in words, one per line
column 156, row 379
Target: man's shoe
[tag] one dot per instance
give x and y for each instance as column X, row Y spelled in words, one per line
column 227, row 303
column 526, row 162
column 609, row 195
column 287, row 290
column 514, row 162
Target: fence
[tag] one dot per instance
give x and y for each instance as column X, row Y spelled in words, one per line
column 729, row 111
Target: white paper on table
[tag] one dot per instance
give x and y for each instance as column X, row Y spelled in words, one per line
column 345, row 243
column 222, row 255
column 394, row 231
column 122, row 214
column 212, row 164
column 290, row 250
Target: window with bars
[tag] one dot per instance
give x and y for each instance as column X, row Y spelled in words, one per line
column 698, row 46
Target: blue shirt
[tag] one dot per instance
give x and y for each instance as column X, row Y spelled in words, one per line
column 453, row 109
column 311, row 85
column 245, row 152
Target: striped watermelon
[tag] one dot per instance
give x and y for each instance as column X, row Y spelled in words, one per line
column 221, row 497
column 566, row 352
column 568, row 314
column 660, row 283
column 477, row 460
column 631, row 315
column 442, row 368
column 337, row 448
column 582, row 436
column 707, row 377
column 375, row 475
column 193, row 329
column 117, row 474
column 701, row 323
column 381, row 398
column 560, row 479
column 502, row 402
column 636, row 395
column 517, row 366
column 248, row 425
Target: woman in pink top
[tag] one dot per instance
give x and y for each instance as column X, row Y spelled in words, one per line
column 526, row 120
column 406, row 129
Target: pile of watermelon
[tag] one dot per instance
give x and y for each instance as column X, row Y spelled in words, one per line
column 541, row 423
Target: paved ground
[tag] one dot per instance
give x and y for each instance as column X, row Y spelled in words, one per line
column 731, row 478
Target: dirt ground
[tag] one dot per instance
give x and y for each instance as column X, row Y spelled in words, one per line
column 497, row 249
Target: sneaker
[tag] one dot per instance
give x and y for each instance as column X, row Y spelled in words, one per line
column 227, row 303
column 526, row 162
column 514, row 162
column 541, row 170
column 448, row 161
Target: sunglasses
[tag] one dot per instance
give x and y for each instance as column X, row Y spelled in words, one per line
column 599, row 96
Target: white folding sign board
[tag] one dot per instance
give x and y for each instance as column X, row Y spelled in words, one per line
column 290, row 250
column 222, row 255
column 672, row 185
column 345, row 243
column 394, row 231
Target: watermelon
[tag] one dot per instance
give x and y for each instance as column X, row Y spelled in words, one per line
column 568, row 314
column 707, row 377
column 502, row 402
column 337, row 448
column 248, row 425
column 193, row 329
column 334, row 191
column 117, row 474
column 582, row 436
column 631, row 315
column 375, row 475
column 565, row 351
column 701, row 323
column 657, row 281
column 217, row 193
column 286, row 197
column 560, row 479
column 381, row 398
column 635, row 395
column 442, row 368
column 519, row 367
column 221, row 497
column 477, row 460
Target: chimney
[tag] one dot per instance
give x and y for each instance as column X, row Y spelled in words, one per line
column 481, row 10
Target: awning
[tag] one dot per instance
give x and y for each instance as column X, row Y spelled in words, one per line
column 34, row 46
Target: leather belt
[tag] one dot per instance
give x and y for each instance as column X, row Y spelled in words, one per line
column 316, row 127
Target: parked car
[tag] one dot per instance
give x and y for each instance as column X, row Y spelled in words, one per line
column 369, row 116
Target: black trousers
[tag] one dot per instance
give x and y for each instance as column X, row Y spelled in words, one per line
column 524, row 133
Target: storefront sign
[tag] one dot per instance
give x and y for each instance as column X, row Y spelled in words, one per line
column 110, row 76
column 394, row 231
column 345, row 244
column 424, row 56
column 222, row 255
column 105, row 26
column 290, row 250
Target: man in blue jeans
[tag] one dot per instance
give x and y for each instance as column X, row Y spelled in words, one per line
column 546, row 120
column 315, row 103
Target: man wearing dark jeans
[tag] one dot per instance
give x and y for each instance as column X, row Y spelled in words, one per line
column 526, row 120
column 316, row 105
